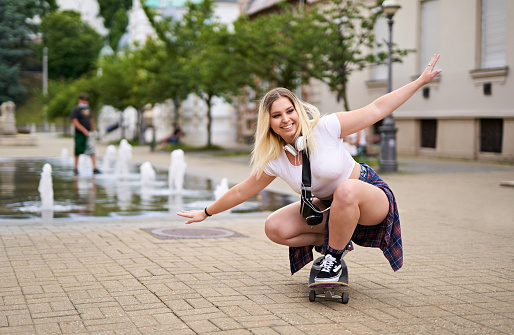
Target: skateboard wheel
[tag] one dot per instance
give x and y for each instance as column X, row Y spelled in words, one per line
column 312, row 295
column 345, row 298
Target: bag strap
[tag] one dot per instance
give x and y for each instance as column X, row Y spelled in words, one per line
column 306, row 176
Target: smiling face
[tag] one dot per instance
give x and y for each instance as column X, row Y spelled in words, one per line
column 284, row 119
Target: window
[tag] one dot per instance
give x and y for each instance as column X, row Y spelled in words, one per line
column 428, row 133
column 426, row 92
column 491, row 135
column 493, row 33
column 429, row 31
column 488, row 89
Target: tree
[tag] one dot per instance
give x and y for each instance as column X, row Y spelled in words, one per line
column 344, row 39
column 124, row 82
column 62, row 97
column 73, row 46
column 166, row 75
column 16, row 33
column 118, row 81
column 115, row 17
column 327, row 42
column 213, row 69
column 203, row 57
column 167, row 57
column 273, row 47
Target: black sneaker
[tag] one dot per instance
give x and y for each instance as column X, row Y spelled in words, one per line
column 75, row 172
column 317, row 263
column 96, row 171
column 330, row 271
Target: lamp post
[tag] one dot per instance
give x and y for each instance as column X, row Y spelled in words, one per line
column 388, row 130
column 45, row 84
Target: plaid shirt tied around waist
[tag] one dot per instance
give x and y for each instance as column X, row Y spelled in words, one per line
column 387, row 235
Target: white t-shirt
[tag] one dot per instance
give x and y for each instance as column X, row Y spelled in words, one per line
column 330, row 163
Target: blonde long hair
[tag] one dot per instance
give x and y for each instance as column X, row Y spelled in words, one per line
column 269, row 145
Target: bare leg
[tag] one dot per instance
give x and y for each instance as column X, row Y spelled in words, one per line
column 93, row 160
column 355, row 202
column 286, row 226
column 76, row 162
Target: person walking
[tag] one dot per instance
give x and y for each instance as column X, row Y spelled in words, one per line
column 355, row 203
column 82, row 119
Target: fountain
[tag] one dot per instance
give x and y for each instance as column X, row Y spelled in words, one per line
column 124, row 159
column 147, row 175
column 109, row 160
column 124, row 196
column 104, row 195
column 64, row 154
column 147, row 183
column 85, row 166
column 46, row 191
column 177, row 171
column 221, row 189
column 65, row 157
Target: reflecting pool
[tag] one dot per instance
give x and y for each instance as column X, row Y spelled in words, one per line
column 108, row 195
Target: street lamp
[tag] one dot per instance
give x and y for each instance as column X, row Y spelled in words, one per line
column 45, row 85
column 388, row 130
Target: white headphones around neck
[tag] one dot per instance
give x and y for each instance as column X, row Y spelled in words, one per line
column 299, row 145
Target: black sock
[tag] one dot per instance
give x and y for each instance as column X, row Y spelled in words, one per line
column 337, row 254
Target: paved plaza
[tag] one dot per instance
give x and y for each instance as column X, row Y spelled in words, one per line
column 109, row 276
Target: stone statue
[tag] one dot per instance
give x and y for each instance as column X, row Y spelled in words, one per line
column 7, row 119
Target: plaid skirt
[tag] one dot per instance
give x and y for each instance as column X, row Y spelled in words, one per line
column 387, row 235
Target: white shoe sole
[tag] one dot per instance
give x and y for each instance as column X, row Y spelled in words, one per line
column 317, row 267
column 328, row 280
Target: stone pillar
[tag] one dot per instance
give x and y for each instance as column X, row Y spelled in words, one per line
column 7, row 119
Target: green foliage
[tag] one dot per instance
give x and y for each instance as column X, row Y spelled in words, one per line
column 73, row 46
column 110, row 8
column 118, row 27
column 214, row 66
column 344, row 40
column 63, row 96
column 328, row 42
column 115, row 17
column 118, row 80
column 273, row 47
column 166, row 73
column 15, row 35
column 201, row 57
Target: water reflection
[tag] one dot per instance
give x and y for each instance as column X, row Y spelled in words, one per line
column 105, row 195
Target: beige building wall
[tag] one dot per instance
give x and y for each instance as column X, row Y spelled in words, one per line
column 457, row 100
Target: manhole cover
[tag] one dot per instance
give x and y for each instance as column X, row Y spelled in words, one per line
column 191, row 232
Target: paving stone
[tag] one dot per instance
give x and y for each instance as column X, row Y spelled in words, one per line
column 111, row 277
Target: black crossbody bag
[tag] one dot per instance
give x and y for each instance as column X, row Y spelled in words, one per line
column 308, row 210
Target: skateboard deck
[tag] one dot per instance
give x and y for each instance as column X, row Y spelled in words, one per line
column 331, row 290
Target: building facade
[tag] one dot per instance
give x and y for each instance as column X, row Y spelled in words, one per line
column 468, row 111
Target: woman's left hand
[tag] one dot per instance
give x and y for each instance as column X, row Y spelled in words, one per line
column 429, row 72
column 194, row 216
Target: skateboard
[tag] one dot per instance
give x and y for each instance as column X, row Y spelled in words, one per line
column 332, row 290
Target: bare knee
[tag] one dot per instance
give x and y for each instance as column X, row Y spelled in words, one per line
column 345, row 193
column 272, row 228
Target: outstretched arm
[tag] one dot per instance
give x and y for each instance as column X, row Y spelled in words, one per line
column 235, row 196
column 354, row 121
